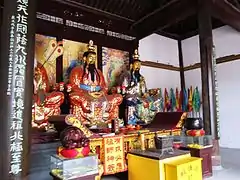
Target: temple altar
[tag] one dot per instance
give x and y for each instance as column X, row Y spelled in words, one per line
column 63, row 79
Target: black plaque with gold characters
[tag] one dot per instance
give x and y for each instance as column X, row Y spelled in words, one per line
column 16, row 68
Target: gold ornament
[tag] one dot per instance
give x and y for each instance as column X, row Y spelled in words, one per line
column 91, row 47
column 136, row 55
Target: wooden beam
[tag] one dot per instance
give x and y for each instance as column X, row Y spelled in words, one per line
column 88, row 18
column 189, row 34
column 153, row 13
column 220, row 60
column 227, row 13
column 164, row 17
column 169, row 35
column 93, row 10
column 235, row 3
column 180, row 54
column 206, row 45
column 160, row 65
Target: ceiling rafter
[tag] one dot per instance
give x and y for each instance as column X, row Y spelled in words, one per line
column 154, row 16
column 116, row 7
column 93, row 10
column 108, row 4
column 236, row 3
column 122, row 6
column 169, row 35
column 91, row 3
column 164, row 17
column 97, row 4
column 148, row 16
column 133, row 5
column 227, row 13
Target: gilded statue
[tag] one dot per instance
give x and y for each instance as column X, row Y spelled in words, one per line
column 45, row 103
column 89, row 99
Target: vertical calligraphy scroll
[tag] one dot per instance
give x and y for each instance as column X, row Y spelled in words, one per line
column 18, row 84
column 16, row 67
column 114, row 156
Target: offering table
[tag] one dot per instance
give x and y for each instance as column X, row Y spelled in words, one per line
column 131, row 140
column 163, row 124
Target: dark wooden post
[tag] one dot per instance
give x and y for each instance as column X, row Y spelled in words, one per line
column 206, row 45
column 16, row 80
column 181, row 65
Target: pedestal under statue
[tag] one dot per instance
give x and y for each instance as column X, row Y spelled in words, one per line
column 89, row 99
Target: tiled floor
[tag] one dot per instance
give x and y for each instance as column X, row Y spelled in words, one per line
column 230, row 171
column 231, row 165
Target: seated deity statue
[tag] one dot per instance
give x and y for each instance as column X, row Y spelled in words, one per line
column 89, row 99
column 133, row 87
column 45, row 103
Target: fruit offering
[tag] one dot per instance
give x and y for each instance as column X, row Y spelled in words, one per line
column 195, row 146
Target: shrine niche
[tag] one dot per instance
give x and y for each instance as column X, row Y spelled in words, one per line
column 73, row 56
column 113, row 63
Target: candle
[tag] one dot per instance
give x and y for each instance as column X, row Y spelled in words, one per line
column 142, row 139
column 118, row 89
column 123, row 89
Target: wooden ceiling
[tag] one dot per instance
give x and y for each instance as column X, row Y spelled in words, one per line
column 172, row 18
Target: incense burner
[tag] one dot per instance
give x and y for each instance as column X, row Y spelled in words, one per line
column 193, row 123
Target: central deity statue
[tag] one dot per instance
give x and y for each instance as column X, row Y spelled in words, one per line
column 89, row 99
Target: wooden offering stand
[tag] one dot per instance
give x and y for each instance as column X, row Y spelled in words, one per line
column 206, row 155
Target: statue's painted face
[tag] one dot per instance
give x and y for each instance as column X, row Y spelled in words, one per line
column 91, row 58
column 136, row 66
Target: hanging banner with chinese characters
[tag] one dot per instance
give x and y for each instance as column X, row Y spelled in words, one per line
column 16, row 83
column 114, row 158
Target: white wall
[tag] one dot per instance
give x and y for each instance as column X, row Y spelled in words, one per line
column 227, row 42
column 160, row 49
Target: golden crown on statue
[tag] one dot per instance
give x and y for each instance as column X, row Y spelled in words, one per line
column 90, row 46
column 135, row 54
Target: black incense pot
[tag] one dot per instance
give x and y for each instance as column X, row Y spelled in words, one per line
column 193, row 124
